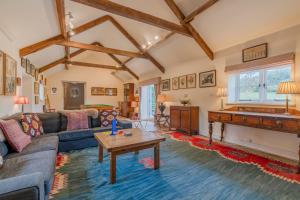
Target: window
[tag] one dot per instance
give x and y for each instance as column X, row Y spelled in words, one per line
column 258, row 86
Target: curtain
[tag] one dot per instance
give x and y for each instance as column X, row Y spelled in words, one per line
column 157, row 92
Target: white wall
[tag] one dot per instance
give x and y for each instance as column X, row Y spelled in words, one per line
column 93, row 78
column 283, row 144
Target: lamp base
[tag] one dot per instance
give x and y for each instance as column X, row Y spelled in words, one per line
column 162, row 107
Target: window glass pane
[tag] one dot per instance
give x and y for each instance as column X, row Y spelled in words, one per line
column 249, row 86
column 273, row 78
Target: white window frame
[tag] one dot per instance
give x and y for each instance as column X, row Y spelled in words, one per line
column 262, row 89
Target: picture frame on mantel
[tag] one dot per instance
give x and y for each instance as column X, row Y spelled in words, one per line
column 256, row 52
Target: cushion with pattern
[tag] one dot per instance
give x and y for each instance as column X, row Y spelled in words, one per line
column 106, row 117
column 77, row 120
column 32, row 124
column 15, row 136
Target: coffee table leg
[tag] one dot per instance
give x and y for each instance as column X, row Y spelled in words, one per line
column 156, row 156
column 100, row 156
column 112, row 167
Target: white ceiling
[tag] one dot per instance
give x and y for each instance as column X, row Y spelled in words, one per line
column 225, row 24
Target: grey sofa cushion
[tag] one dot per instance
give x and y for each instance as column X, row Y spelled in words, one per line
column 3, row 149
column 50, row 121
column 38, row 144
column 75, row 135
column 43, row 162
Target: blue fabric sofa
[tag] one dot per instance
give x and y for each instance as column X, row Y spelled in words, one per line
column 29, row 174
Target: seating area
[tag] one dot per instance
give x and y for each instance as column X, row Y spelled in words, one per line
column 160, row 99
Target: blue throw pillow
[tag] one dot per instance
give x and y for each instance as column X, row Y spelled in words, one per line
column 3, row 149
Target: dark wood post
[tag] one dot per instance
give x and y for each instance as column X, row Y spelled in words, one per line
column 210, row 132
column 222, row 131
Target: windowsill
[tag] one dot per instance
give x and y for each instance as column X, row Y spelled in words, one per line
column 260, row 104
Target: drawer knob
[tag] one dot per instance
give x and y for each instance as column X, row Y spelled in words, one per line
column 278, row 123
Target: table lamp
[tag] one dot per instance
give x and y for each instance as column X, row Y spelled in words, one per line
column 161, row 98
column 135, row 105
column 21, row 100
column 287, row 87
column 222, row 92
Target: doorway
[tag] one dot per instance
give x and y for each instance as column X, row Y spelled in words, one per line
column 73, row 95
column 148, row 102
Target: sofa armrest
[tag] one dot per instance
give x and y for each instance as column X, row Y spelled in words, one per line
column 12, row 184
column 124, row 124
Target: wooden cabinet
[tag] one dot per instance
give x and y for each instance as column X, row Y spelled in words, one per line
column 125, row 106
column 185, row 118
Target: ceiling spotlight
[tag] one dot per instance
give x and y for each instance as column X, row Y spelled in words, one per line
column 149, row 43
column 71, row 18
column 144, row 46
column 71, row 33
column 156, row 37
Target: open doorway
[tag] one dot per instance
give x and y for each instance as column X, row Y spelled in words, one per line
column 147, row 102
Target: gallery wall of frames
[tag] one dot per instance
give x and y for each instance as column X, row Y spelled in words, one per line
column 205, row 79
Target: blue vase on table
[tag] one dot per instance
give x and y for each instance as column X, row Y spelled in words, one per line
column 113, row 127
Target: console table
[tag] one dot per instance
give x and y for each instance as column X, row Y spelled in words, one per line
column 263, row 118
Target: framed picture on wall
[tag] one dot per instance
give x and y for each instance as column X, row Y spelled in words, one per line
column 256, row 52
column 207, row 79
column 1, row 72
column 32, row 70
column 28, row 67
column 97, row 91
column 53, row 91
column 182, row 82
column 36, row 88
column 110, row 91
column 191, row 80
column 36, row 75
column 165, row 85
column 23, row 62
column 175, row 83
column 18, row 81
column 36, row 100
column 10, row 76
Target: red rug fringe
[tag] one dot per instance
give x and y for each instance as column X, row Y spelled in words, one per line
column 275, row 168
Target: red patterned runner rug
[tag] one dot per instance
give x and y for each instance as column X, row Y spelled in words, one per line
column 275, row 168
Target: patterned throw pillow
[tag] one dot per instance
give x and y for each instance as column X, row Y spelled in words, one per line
column 77, row 120
column 106, row 117
column 15, row 136
column 32, row 124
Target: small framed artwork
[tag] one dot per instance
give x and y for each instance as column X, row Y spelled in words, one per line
column 97, row 91
column 28, row 67
column 207, row 79
column 191, row 81
column 36, row 88
column 32, row 70
column 182, row 82
column 255, row 52
column 36, row 100
column 1, row 72
column 53, row 91
column 36, row 75
column 175, row 83
column 111, row 92
column 165, row 85
column 23, row 62
column 10, row 76
column 18, row 81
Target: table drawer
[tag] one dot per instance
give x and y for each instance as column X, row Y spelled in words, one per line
column 246, row 120
column 289, row 125
column 223, row 117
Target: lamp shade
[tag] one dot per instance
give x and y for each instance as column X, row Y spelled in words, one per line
column 22, row 100
column 222, row 92
column 161, row 98
column 287, row 87
column 134, row 104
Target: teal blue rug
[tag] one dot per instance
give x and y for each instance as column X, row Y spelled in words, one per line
column 185, row 173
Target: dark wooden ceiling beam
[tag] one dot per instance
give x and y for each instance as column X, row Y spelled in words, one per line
column 127, row 12
column 190, row 28
column 117, row 60
column 61, row 15
column 62, row 60
column 137, row 45
column 93, row 65
column 100, row 49
column 40, row 45
column 199, row 10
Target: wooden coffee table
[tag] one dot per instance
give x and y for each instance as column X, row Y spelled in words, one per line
column 120, row 144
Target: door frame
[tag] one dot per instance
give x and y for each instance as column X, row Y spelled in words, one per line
column 84, row 90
